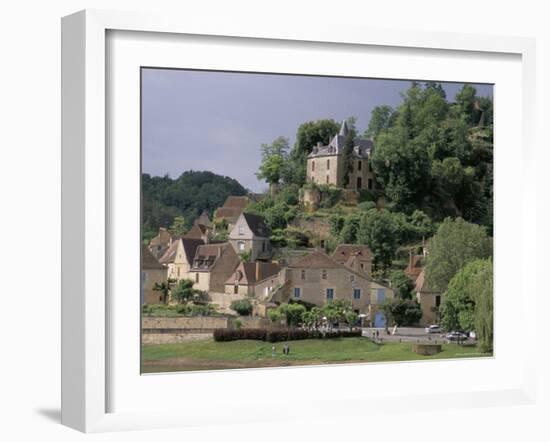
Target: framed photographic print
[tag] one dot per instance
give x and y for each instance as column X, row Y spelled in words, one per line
column 249, row 209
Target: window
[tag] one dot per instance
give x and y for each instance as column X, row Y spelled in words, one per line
column 359, row 164
column 297, row 292
column 303, row 274
column 356, row 293
column 330, row 293
column 328, row 179
column 380, row 295
column 370, row 184
column 359, row 182
column 196, row 277
column 324, row 274
column 437, row 300
column 240, row 246
column 370, row 167
column 241, row 230
column 236, row 289
column 178, row 271
column 328, row 164
column 362, row 266
column 313, row 166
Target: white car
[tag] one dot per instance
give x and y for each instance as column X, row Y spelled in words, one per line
column 434, row 328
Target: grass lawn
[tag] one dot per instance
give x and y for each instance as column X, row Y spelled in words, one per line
column 210, row 355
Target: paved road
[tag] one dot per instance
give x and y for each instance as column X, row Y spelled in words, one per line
column 407, row 334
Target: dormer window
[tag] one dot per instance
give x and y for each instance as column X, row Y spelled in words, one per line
column 359, row 163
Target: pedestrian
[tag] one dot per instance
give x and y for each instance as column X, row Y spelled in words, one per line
column 285, row 349
column 377, row 333
column 288, row 350
column 272, row 351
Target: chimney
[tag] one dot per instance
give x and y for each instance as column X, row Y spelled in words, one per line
column 257, row 270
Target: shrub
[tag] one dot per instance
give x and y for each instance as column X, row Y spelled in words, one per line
column 242, row 306
column 291, row 334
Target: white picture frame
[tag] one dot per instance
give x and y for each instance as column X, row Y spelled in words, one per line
column 87, row 206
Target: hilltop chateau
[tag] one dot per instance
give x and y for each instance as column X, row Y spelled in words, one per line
column 325, row 164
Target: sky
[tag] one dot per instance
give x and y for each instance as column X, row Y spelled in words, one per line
column 217, row 121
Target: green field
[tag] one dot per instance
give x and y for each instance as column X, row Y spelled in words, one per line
column 210, row 355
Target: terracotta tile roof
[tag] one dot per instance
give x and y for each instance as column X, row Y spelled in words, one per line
column 343, row 252
column 316, row 260
column 246, row 272
column 236, row 202
column 421, row 285
column 163, row 237
column 148, row 261
column 196, row 232
column 206, row 256
column 189, row 248
column 228, row 212
column 414, row 268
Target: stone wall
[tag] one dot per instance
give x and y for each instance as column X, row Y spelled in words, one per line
column 195, row 323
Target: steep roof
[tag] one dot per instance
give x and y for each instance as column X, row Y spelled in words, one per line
column 257, row 225
column 189, row 248
column 203, row 219
column 414, row 268
column 236, row 202
column 196, row 232
column 343, row 252
column 206, row 256
column 362, row 147
column 163, row 237
column 316, row 260
column 148, row 261
column 249, row 273
column 421, row 285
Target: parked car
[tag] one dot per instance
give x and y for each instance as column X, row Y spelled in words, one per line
column 434, row 328
column 456, row 336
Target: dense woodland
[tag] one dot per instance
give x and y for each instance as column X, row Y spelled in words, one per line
column 165, row 200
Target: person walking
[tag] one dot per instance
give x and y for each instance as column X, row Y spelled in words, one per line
column 272, row 351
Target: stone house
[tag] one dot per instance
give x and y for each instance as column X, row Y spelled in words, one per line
column 160, row 243
column 250, row 234
column 317, row 278
column 325, row 164
column 212, row 265
column 250, row 276
column 356, row 257
column 428, row 299
column 152, row 272
column 178, row 259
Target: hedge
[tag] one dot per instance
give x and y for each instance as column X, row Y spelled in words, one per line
column 291, row 334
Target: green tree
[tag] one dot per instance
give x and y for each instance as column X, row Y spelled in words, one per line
column 402, row 312
column 468, row 302
column 293, row 313
column 274, row 159
column 184, row 292
column 347, row 153
column 274, row 315
column 455, row 244
column 164, row 289
column 378, row 230
column 401, row 283
column 179, row 225
column 242, row 306
column 380, row 119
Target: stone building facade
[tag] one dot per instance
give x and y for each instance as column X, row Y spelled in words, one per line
column 250, row 234
column 325, row 164
column 152, row 272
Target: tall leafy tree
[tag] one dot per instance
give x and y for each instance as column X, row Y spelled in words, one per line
column 274, row 160
column 381, row 119
column 378, row 230
column 456, row 243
